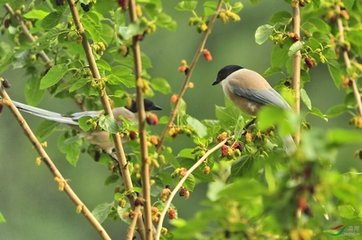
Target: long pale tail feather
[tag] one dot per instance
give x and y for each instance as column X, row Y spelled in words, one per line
column 49, row 115
column 289, row 144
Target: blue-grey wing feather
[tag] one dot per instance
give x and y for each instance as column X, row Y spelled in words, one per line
column 262, row 96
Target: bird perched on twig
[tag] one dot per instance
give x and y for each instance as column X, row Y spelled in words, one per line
column 100, row 138
column 249, row 91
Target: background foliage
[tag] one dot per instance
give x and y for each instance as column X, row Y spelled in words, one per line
column 267, row 195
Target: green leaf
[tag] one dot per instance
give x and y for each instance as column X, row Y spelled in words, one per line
column 305, row 98
column 108, row 124
column 209, row 8
column 166, row 21
column 36, row 14
column 161, row 85
column 269, row 176
column 84, row 123
column 279, row 56
column 344, row 136
column 337, row 110
column 320, row 25
column 71, row 147
column 186, row 153
column 242, row 189
column 45, row 128
column 111, row 179
column 282, row 17
column 92, row 25
column 190, row 183
column 5, row 56
column 335, row 72
column 237, row 7
column 51, row 20
column 2, row 218
column 262, row 33
column 186, row 5
column 315, row 111
column 79, row 83
column 33, row 93
column 198, row 127
column 270, row 116
column 295, row 48
column 127, row 32
column 347, row 211
column 53, row 76
column 102, row 211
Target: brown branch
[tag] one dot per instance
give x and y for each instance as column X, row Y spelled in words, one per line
column 127, row 181
column 188, row 76
column 135, row 216
column 181, row 182
column 145, row 166
column 296, row 66
column 27, row 33
column 347, row 60
column 62, row 183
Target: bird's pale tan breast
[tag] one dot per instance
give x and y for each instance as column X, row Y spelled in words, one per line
column 244, row 104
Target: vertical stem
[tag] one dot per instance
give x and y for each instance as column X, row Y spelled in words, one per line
column 347, row 60
column 188, row 75
column 296, row 67
column 145, row 166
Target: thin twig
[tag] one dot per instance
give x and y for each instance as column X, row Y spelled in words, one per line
column 145, row 166
column 347, row 61
column 296, row 67
column 188, row 76
column 27, row 33
column 181, row 182
column 62, row 183
column 127, row 181
column 136, row 214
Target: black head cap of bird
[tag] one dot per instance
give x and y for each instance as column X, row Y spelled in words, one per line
column 149, row 106
column 224, row 72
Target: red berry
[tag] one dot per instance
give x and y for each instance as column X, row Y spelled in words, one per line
column 309, row 62
column 173, row 98
column 132, row 135
column 152, row 119
column 6, row 83
column 171, row 214
column 224, row 151
column 207, row 55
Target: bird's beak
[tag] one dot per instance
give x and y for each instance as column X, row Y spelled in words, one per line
column 156, row 108
column 216, row 82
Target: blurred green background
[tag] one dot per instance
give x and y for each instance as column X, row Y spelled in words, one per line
column 29, row 198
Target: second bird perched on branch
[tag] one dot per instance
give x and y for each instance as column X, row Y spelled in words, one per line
column 100, row 138
column 249, row 91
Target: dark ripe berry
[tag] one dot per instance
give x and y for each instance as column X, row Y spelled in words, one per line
column 238, row 145
column 6, row 83
column 309, row 62
column 86, row 7
column 293, row 36
column 138, row 202
column 59, row 2
column 123, row 4
column 7, row 22
column 132, row 135
column 97, row 156
column 307, row 172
